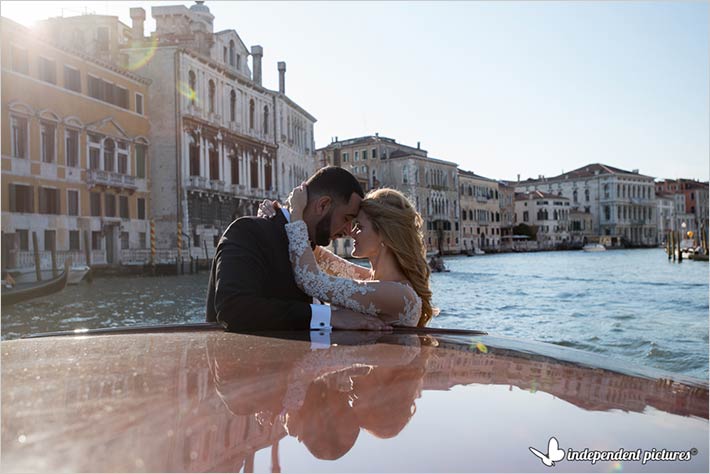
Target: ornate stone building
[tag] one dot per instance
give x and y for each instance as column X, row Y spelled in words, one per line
column 430, row 183
column 76, row 167
column 547, row 213
column 221, row 141
column 480, row 212
column 622, row 203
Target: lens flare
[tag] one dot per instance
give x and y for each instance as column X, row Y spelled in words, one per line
column 481, row 347
column 144, row 57
column 186, row 91
column 617, row 467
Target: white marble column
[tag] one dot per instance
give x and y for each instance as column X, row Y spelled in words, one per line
column 261, row 172
column 273, row 174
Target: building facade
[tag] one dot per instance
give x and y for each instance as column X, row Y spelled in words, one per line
column 690, row 204
column 221, row 141
column 431, row 184
column 480, row 212
column 76, row 167
column 506, row 196
column 548, row 214
column 622, row 203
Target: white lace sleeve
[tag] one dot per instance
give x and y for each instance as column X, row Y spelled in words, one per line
column 388, row 298
column 336, row 266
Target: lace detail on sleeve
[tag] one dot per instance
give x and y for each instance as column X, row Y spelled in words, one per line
column 412, row 309
column 315, row 283
column 385, row 298
column 336, row 266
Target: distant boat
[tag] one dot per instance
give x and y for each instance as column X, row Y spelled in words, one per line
column 29, row 291
column 594, row 248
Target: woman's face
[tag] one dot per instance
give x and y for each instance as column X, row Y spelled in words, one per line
column 366, row 239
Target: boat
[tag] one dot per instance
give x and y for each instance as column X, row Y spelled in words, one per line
column 194, row 398
column 29, row 274
column 594, row 248
column 28, row 291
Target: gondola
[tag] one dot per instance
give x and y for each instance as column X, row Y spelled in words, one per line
column 30, row 291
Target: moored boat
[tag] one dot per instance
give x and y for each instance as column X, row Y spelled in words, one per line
column 195, row 398
column 594, row 248
column 29, row 274
column 29, row 291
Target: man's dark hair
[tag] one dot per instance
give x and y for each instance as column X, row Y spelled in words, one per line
column 335, row 182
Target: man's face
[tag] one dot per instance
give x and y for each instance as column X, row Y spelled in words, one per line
column 336, row 223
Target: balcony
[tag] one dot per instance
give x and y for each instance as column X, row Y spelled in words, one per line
column 217, row 185
column 110, row 179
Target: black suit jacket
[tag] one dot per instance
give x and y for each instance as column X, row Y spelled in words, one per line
column 251, row 284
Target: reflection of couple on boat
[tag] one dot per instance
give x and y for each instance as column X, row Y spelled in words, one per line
column 322, row 398
column 268, row 270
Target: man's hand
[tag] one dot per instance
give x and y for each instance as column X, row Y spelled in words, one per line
column 341, row 318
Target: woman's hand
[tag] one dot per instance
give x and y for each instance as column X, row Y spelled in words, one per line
column 297, row 201
column 268, row 209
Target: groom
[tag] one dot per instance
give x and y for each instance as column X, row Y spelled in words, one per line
column 251, row 284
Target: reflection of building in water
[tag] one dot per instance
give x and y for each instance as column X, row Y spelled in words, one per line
column 587, row 388
column 165, row 403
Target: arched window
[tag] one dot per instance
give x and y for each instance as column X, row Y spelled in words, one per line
column 574, row 195
column 265, row 128
column 194, row 156
column 234, row 159
column 193, row 86
column 586, row 195
column 211, row 97
column 213, row 156
column 231, row 53
column 251, row 114
column 233, row 106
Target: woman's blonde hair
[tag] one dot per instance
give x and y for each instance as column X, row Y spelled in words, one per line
column 399, row 224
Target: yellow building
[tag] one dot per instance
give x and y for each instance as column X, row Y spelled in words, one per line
column 75, row 161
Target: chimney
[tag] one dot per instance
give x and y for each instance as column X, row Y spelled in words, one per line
column 377, row 134
column 518, row 177
column 256, row 53
column 137, row 20
column 418, row 145
column 282, row 76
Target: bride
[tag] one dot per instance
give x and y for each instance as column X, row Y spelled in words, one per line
column 388, row 232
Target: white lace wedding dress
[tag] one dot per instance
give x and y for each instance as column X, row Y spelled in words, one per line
column 348, row 285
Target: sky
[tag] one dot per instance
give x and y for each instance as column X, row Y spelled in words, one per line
column 501, row 88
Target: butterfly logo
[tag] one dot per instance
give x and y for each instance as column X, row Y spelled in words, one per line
column 554, row 453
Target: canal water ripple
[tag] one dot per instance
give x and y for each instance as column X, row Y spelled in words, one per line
column 632, row 305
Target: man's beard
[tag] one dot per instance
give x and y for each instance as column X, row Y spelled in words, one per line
column 323, row 230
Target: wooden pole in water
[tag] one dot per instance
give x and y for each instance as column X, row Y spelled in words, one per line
column 35, row 248
column 680, row 255
column 673, row 244
column 204, row 243
column 668, row 244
